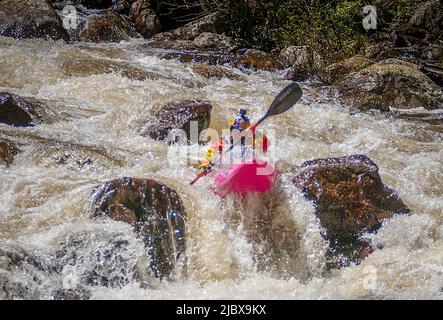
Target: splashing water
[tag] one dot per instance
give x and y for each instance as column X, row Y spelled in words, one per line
column 265, row 247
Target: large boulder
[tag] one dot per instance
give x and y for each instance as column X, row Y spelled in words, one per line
column 178, row 115
column 302, row 62
column 145, row 18
column 107, row 27
column 156, row 212
column 213, row 41
column 338, row 71
column 391, row 83
column 212, row 23
column 7, row 152
column 23, row 112
column 350, row 199
column 30, row 19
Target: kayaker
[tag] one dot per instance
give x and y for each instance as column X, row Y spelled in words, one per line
column 240, row 122
column 211, row 156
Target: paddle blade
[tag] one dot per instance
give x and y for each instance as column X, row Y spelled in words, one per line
column 285, row 100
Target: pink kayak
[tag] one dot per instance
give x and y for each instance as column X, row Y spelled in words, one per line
column 244, row 179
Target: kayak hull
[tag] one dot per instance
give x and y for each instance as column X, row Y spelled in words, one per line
column 244, row 179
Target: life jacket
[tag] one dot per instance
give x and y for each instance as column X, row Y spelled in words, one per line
column 240, row 122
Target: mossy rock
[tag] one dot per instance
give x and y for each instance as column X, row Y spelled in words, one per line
column 391, row 83
column 337, row 72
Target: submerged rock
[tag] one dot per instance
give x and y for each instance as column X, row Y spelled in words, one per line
column 22, row 273
column 95, row 258
column 71, row 294
column 178, row 115
column 30, row 19
column 145, row 18
column 23, row 112
column 350, row 199
column 156, row 212
column 216, row 72
column 87, row 65
column 107, row 27
column 7, row 152
column 390, row 84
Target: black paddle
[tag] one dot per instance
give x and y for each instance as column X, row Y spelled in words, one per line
column 284, row 101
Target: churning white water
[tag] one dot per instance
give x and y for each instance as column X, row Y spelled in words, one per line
column 100, row 112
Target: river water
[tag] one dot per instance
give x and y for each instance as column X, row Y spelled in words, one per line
column 99, row 114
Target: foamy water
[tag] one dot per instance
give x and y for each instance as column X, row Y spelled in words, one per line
column 44, row 204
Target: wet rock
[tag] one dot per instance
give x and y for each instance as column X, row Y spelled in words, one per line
column 216, row 72
column 23, row 112
column 433, row 54
column 96, row 258
column 145, row 18
column 432, row 63
column 339, row 71
column 297, row 55
column 213, row 41
column 75, row 157
column 428, row 18
column 22, row 273
column 107, row 27
column 7, row 152
column 89, row 4
column 434, row 72
column 84, row 66
column 391, row 83
column 180, row 45
column 212, row 23
column 350, row 198
column 30, row 19
column 379, row 51
column 178, row 115
column 71, row 294
column 302, row 62
column 122, row 6
column 156, row 212
column 256, row 59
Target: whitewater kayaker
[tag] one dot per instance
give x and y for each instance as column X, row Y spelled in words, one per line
column 211, row 156
column 240, row 122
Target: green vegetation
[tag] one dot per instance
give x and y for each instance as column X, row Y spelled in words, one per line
column 333, row 26
column 330, row 26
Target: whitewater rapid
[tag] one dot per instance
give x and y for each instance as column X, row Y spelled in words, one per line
column 100, row 116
